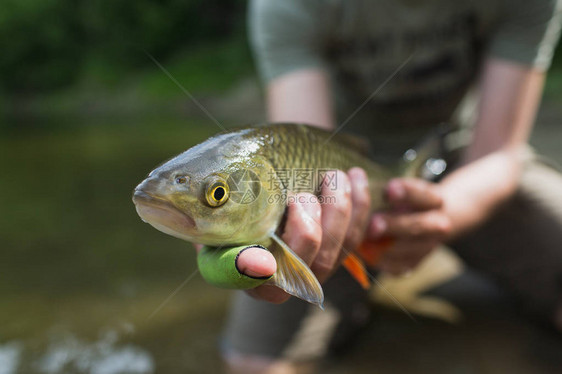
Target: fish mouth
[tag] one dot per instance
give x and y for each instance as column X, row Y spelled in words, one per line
column 163, row 215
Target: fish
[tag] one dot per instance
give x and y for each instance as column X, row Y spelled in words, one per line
column 232, row 189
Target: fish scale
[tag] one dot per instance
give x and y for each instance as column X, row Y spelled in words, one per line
column 290, row 146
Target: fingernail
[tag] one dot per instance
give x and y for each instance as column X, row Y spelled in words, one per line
column 255, row 262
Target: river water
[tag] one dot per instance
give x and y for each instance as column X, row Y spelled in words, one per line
column 86, row 287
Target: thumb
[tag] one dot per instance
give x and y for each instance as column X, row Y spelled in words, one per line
column 256, row 262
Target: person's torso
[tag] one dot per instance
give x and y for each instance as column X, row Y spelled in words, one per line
column 414, row 61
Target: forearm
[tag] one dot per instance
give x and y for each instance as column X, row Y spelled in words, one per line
column 510, row 97
column 491, row 165
column 473, row 192
column 302, row 96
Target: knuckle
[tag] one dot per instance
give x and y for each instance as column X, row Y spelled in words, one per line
column 322, row 266
column 417, row 228
column 434, row 193
column 310, row 204
column 343, row 207
column 339, row 205
column 343, row 183
column 303, row 197
column 437, row 198
column 351, row 242
column 276, row 298
column 361, row 196
column 443, row 226
column 431, row 192
column 414, row 184
column 269, row 294
column 353, row 234
column 311, row 237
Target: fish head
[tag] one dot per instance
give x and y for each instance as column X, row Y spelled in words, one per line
column 212, row 196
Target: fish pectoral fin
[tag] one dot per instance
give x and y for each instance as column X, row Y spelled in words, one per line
column 293, row 275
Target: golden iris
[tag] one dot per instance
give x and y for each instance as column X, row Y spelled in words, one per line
column 217, row 193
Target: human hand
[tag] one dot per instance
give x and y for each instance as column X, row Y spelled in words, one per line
column 416, row 220
column 321, row 230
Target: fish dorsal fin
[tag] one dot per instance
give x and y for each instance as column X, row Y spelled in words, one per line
column 360, row 145
column 293, row 275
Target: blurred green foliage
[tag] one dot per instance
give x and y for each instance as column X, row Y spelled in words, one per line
column 90, row 47
column 50, row 44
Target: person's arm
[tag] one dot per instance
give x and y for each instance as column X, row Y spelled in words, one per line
column 510, row 94
column 510, row 98
column 302, row 96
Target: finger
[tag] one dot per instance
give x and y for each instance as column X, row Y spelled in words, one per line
column 410, row 225
column 336, row 214
column 361, row 205
column 376, row 227
column 197, row 247
column 409, row 250
column 406, row 255
column 413, row 193
column 256, row 262
column 303, row 232
column 269, row 293
column 395, row 268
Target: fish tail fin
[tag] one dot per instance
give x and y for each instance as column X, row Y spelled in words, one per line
column 368, row 254
column 293, row 275
column 354, row 265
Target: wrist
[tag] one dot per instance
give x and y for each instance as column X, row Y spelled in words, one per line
column 473, row 192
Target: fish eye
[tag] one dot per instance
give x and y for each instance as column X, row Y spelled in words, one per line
column 182, row 179
column 217, row 193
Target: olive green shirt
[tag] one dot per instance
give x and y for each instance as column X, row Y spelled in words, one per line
column 410, row 62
